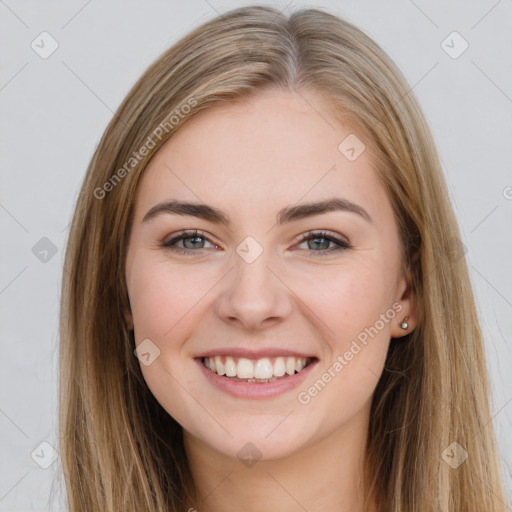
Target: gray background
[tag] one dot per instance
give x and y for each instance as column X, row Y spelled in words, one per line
column 54, row 110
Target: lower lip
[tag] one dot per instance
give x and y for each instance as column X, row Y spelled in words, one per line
column 256, row 390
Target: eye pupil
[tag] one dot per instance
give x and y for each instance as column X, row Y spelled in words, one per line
column 321, row 238
column 194, row 238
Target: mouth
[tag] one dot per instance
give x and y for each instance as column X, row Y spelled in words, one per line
column 256, row 371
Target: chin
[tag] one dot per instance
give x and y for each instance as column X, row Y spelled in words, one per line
column 266, row 439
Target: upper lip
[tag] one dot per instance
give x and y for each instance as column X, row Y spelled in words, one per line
column 253, row 354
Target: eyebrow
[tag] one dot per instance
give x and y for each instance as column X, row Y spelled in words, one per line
column 285, row 215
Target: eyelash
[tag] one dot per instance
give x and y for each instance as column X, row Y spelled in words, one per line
column 342, row 245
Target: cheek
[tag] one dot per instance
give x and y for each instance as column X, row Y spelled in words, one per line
column 346, row 299
column 163, row 298
column 166, row 306
column 350, row 304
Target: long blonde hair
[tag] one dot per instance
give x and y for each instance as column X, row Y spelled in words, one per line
column 120, row 449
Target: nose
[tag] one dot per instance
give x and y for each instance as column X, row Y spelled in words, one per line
column 255, row 296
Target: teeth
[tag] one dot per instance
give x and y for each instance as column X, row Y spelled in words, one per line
column 219, row 365
column 290, row 365
column 279, row 367
column 262, row 370
column 230, row 367
column 245, row 369
column 299, row 364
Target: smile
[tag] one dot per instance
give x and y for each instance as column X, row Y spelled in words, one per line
column 255, row 379
column 266, row 369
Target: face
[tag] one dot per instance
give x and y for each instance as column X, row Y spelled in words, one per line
column 264, row 284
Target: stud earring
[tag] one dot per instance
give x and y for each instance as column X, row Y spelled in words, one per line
column 404, row 325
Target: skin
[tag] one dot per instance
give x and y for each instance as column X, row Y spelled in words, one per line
column 250, row 159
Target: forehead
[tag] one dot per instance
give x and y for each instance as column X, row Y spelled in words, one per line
column 267, row 150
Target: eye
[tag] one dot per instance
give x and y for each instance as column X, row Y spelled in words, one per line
column 192, row 242
column 322, row 239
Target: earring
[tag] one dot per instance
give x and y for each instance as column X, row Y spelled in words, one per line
column 404, row 325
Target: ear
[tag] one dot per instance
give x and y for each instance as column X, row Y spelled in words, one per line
column 406, row 297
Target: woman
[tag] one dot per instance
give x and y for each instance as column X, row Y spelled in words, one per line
column 212, row 358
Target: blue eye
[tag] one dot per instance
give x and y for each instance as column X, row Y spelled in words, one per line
column 193, row 235
column 193, row 240
column 321, row 238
